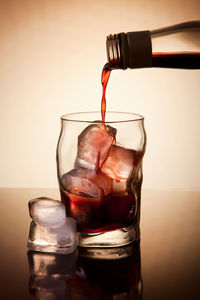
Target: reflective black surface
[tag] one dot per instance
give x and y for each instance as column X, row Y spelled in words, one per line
column 165, row 265
column 79, row 276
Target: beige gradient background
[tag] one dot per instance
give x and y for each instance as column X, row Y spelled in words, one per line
column 51, row 56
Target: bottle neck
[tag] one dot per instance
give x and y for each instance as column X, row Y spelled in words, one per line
column 141, row 49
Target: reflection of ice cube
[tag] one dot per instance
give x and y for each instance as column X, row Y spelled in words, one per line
column 87, row 183
column 119, row 163
column 60, row 239
column 94, row 145
column 47, row 212
column 48, row 288
column 52, row 264
column 49, row 273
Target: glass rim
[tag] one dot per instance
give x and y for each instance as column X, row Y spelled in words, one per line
column 134, row 117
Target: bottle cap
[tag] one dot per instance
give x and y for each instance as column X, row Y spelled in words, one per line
column 136, row 49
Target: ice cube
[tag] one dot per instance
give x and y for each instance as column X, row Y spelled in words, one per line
column 120, row 163
column 65, row 235
column 59, row 239
column 87, row 183
column 47, row 212
column 94, row 144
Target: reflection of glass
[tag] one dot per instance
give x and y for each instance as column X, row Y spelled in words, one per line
column 102, row 276
column 100, row 175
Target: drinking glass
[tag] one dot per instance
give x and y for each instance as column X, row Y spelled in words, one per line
column 99, row 168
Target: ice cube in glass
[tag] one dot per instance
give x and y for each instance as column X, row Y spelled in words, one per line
column 120, row 163
column 94, row 144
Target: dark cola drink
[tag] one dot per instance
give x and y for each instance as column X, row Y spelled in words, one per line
column 107, row 213
column 106, row 197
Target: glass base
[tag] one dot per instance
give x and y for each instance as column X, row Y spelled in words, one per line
column 112, row 253
column 116, row 238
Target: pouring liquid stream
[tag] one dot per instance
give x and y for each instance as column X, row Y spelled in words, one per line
column 104, row 80
column 178, row 60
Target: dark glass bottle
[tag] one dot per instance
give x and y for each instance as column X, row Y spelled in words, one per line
column 137, row 49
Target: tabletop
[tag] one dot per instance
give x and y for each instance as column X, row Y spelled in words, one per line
column 164, row 265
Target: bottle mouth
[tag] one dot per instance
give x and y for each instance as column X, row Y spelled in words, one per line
column 113, row 51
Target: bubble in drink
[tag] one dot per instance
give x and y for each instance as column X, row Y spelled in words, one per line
column 119, row 187
column 94, row 144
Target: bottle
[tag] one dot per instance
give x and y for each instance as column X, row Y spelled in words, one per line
column 134, row 49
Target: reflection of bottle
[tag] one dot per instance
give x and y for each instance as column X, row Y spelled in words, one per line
column 142, row 49
column 102, row 274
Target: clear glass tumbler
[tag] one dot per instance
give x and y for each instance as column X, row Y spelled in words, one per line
column 99, row 168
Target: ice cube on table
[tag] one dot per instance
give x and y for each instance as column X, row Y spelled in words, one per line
column 94, row 144
column 87, row 183
column 120, row 163
column 47, row 212
column 59, row 239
